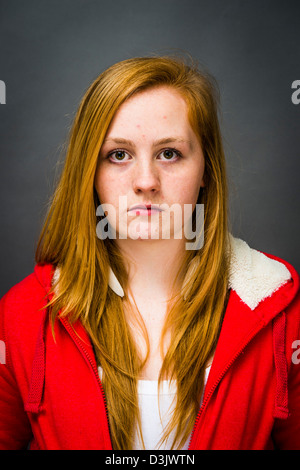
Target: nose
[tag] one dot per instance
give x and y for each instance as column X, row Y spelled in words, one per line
column 146, row 178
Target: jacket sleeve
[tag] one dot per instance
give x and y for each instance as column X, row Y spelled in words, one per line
column 286, row 432
column 15, row 430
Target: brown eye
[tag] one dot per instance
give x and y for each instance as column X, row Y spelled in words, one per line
column 120, row 155
column 170, row 154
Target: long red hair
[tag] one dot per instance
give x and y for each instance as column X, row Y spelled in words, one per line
column 68, row 240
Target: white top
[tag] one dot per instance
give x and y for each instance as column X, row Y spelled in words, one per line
column 156, row 411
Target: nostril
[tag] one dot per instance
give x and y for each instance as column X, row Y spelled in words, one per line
column 143, row 190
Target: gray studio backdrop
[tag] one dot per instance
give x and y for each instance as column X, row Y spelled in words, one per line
column 51, row 50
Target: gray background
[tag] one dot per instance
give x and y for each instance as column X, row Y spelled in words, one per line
column 50, row 51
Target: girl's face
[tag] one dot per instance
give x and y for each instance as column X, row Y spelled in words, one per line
column 150, row 166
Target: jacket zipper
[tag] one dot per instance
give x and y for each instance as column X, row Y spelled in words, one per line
column 204, row 404
column 91, row 362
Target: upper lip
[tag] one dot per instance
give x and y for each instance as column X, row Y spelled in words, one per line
column 145, row 206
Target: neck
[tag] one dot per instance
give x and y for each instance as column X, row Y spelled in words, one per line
column 152, row 265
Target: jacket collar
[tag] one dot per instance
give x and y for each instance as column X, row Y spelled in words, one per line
column 253, row 275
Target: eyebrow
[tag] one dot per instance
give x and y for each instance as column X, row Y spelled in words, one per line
column 167, row 140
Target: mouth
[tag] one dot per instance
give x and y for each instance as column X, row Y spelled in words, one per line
column 145, row 209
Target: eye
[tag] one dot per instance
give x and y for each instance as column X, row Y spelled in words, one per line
column 170, row 154
column 118, row 155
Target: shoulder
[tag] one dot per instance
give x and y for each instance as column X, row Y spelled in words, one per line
column 21, row 307
column 30, row 289
column 256, row 276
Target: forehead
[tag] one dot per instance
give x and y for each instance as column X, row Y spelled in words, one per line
column 157, row 110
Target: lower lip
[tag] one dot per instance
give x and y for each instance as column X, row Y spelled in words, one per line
column 146, row 212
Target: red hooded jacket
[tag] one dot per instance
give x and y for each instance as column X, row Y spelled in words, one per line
column 51, row 395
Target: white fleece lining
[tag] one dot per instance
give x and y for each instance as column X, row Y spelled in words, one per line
column 254, row 276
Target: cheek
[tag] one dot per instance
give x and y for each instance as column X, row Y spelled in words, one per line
column 187, row 190
column 189, row 182
column 105, row 186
